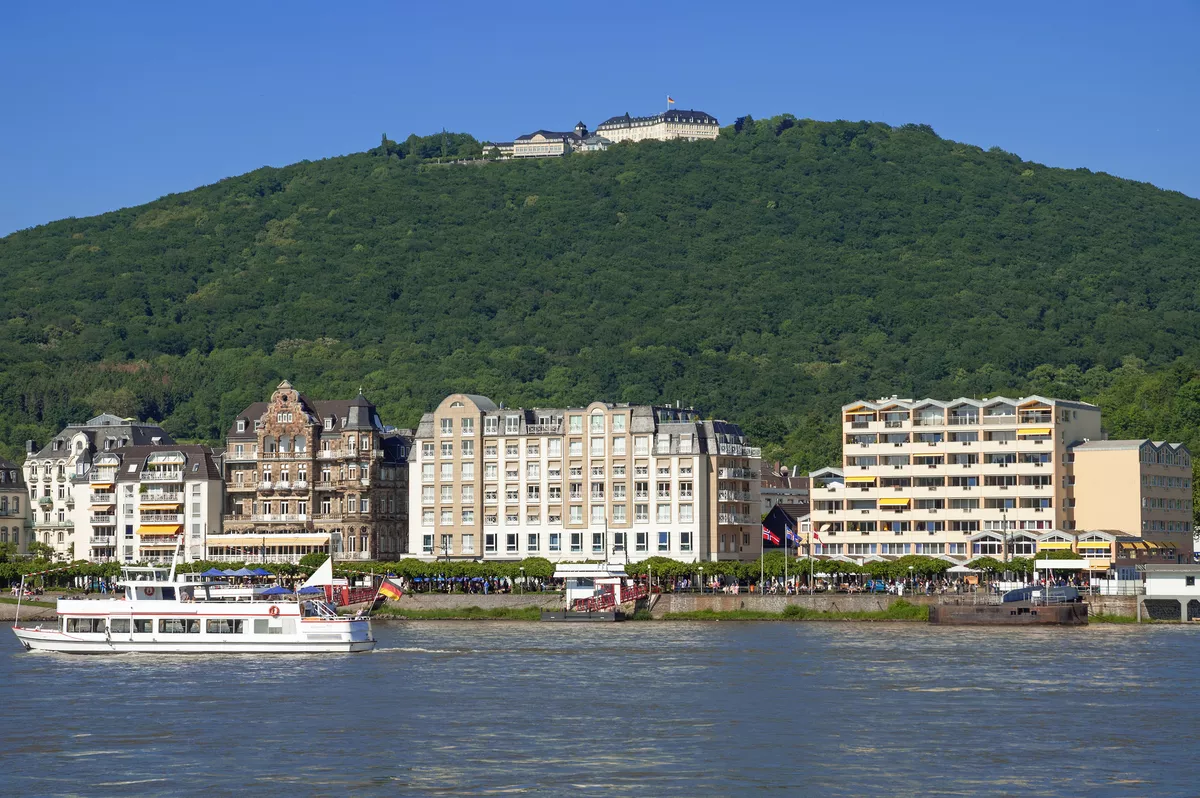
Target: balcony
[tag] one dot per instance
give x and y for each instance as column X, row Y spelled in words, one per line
column 342, row 556
column 293, row 559
column 240, row 457
column 45, row 501
column 736, row 473
column 160, row 476
column 964, row 421
column 725, row 496
column 266, row 487
column 161, row 518
column 161, row 498
column 734, row 518
column 993, row 421
column 102, row 498
column 105, row 519
column 102, row 540
column 280, row 518
column 300, row 484
column 96, row 477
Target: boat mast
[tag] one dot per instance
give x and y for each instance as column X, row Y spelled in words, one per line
column 21, row 595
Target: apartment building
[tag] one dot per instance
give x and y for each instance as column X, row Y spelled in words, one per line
column 134, row 503
column 49, row 472
column 1135, row 487
column 959, row 478
column 307, row 476
column 606, row 481
column 15, row 518
column 689, row 125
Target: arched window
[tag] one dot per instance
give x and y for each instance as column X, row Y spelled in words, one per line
column 61, row 537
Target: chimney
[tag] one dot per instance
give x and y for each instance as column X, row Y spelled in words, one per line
column 30, row 447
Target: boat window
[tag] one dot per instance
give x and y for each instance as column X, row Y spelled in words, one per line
column 168, row 594
column 86, row 625
column 189, row 626
column 225, row 626
column 143, row 626
column 119, row 626
column 260, row 626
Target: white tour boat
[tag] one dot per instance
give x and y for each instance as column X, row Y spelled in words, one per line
column 161, row 614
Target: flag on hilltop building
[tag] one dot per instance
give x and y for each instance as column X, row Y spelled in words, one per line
column 669, row 100
column 390, row 589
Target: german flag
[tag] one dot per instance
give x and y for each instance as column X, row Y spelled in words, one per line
column 390, row 589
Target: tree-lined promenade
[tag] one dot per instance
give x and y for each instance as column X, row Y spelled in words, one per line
column 664, row 571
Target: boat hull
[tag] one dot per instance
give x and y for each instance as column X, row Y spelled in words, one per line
column 34, row 639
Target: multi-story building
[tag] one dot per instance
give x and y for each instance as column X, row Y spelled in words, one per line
column 134, row 503
column 304, row 476
column 548, row 143
column 689, row 125
column 1136, row 487
column 598, row 482
column 15, row 519
column 785, row 488
column 49, row 472
column 958, row 478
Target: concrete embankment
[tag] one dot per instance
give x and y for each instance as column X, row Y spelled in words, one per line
column 460, row 601
column 837, row 602
column 8, row 612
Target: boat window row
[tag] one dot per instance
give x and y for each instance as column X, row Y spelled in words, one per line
column 185, row 626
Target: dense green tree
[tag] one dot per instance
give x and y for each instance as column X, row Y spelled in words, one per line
column 766, row 277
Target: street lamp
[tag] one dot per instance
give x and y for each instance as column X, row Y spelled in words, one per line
column 701, row 579
column 522, row 580
column 911, row 584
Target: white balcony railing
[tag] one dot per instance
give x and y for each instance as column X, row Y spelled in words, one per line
column 161, row 498
column 105, row 519
column 351, row 555
column 102, row 498
column 102, row 540
column 279, row 517
column 161, row 518
column 160, row 476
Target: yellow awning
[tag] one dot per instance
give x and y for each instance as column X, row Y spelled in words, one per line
column 894, row 502
column 1158, row 544
column 101, row 507
column 858, row 480
column 1098, row 565
column 267, row 540
column 159, row 505
column 860, row 412
column 108, row 483
column 159, row 529
column 1036, row 431
column 1049, row 546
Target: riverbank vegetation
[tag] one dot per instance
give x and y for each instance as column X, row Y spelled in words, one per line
column 765, row 277
column 459, row 614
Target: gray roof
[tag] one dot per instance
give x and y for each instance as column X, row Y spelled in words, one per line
column 552, row 134
column 691, row 117
column 356, row 413
column 1123, row 445
column 124, row 431
column 199, row 460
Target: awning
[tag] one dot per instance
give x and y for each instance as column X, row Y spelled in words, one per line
column 1158, row 544
column 859, row 480
column 1049, row 546
column 160, row 505
column 894, row 502
column 1036, row 431
column 107, row 484
column 101, row 508
column 159, row 529
column 107, row 501
column 860, row 412
column 1132, row 545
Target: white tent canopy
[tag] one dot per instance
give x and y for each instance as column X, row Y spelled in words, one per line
column 322, row 576
column 962, row 569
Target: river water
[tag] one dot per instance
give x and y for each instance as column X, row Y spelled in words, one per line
column 636, row 709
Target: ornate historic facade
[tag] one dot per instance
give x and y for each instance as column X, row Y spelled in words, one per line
column 308, row 476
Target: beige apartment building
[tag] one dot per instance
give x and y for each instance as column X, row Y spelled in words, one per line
column 549, row 143
column 688, row 125
column 606, row 481
column 1135, row 487
column 307, row 476
column 15, row 519
column 959, row 478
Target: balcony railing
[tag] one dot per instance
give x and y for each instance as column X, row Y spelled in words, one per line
column 45, row 500
column 271, row 518
column 160, row 476
column 102, row 498
column 996, row 420
column 161, row 518
column 351, row 555
column 728, row 496
column 733, row 518
column 106, row 519
column 161, row 498
column 102, row 540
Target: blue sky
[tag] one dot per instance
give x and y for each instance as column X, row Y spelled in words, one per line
column 110, row 105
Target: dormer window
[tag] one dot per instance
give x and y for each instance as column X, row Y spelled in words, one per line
column 329, row 423
column 241, row 425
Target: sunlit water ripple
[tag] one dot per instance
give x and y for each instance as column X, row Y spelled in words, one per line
column 626, row 709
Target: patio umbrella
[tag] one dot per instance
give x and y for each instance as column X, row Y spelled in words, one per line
column 313, row 589
column 229, row 572
column 242, row 572
column 261, row 572
column 276, row 591
column 213, row 572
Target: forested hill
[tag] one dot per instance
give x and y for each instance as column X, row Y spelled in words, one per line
column 766, row 277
